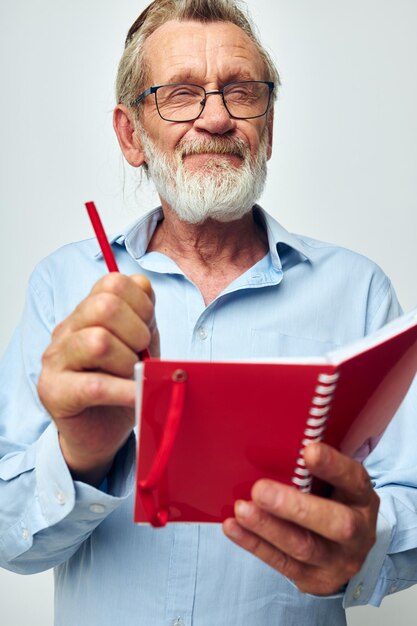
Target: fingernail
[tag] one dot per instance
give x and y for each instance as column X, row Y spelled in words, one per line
column 269, row 495
column 243, row 509
column 234, row 531
column 318, row 455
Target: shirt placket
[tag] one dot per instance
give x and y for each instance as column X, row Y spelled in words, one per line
column 182, row 575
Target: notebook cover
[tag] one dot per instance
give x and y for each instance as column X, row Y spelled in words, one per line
column 239, row 424
column 244, row 421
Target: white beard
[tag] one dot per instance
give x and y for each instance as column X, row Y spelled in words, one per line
column 217, row 191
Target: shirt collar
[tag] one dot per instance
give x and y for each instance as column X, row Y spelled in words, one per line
column 285, row 248
column 137, row 235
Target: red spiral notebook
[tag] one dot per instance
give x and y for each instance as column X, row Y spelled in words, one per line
column 208, row 430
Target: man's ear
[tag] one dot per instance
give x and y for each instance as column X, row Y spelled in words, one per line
column 270, row 122
column 129, row 141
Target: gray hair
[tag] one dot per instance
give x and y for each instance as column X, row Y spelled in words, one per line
column 133, row 68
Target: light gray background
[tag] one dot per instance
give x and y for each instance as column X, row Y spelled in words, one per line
column 343, row 170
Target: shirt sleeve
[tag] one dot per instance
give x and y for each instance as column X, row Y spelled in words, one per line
column 44, row 514
column 391, row 565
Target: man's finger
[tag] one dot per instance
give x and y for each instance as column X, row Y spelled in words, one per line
column 259, row 547
column 298, row 543
column 345, row 474
column 325, row 517
column 112, row 313
column 301, row 573
column 135, row 290
column 74, row 392
column 90, row 349
column 308, row 578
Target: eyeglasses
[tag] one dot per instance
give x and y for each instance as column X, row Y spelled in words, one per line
column 244, row 100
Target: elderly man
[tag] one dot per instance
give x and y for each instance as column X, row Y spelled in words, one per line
column 208, row 275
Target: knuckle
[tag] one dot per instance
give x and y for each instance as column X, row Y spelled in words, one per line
column 44, row 388
column 47, row 357
column 58, row 331
column 106, row 305
column 98, row 341
column 93, row 389
column 260, row 521
column 305, row 547
column 300, row 508
column 52, row 357
column 50, row 393
column 349, row 526
column 363, row 481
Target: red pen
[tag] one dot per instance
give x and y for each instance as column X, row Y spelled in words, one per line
column 101, row 236
column 106, row 250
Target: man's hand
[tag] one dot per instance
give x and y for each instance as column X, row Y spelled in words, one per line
column 318, row 543
column 86, row 379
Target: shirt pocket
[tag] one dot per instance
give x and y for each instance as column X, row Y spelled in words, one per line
column 271, row 344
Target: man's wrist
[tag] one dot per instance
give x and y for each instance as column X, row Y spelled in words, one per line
column 85, row 469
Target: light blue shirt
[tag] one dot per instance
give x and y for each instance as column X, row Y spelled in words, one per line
column 303, row 298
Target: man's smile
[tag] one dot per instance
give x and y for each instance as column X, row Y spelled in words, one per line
column 197, row 160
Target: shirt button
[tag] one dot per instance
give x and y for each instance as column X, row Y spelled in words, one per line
column 393, row 588
column 97, row 508
column 178, row 622
column 25, row 533
column 60, row 497
column 202, row 332
column 358, row 591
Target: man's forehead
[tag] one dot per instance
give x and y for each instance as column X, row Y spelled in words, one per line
column 186, row 49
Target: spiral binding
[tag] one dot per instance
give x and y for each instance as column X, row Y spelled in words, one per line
column 315, row 426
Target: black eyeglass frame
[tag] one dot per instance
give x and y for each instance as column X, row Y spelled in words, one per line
column 154, row 89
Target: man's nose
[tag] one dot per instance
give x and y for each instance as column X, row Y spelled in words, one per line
column 215, row 118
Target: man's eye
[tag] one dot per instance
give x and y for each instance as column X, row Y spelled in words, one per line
column 185, row 93
column 240, row 93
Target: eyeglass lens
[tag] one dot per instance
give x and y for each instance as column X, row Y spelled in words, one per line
column 185, row 102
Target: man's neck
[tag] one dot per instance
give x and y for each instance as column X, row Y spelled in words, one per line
column 211, row 254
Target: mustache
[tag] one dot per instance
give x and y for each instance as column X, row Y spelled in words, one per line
column 213, row 145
